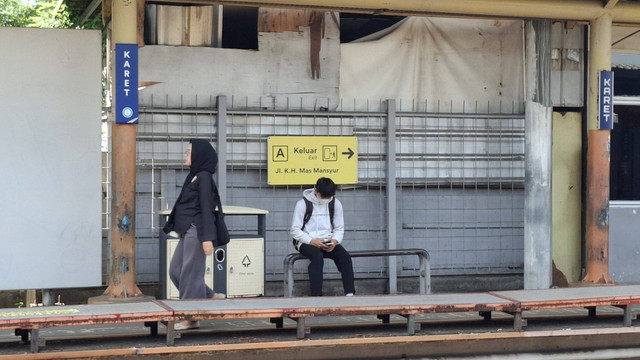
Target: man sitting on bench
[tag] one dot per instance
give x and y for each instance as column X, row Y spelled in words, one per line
column 317, row 229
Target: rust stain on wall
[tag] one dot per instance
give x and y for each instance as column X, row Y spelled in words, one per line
column 558, row 277
column 317, row 33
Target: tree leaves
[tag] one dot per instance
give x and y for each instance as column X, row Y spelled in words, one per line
column 43, row 14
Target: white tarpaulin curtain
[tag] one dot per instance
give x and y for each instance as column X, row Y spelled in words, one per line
column 449, row 64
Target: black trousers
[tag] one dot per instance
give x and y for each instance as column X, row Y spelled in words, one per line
column 342, row 259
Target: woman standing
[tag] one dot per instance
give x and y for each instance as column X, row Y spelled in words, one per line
column 192, row 217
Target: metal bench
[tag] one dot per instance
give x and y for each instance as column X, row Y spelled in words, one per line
column 423, row 255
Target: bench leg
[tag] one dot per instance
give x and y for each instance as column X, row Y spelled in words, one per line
column 592, row 311
column 301, row 329
column 172, row 334
column 628, row 315
column 486, row 315
column 518, row 321
column 153, row 327
column 278, row 321
column 24, row 335
column 288, row 280
column 384, row 317
column 412, row 325
column 35, row 340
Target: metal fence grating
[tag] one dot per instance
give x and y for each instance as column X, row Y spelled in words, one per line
column 459, row 179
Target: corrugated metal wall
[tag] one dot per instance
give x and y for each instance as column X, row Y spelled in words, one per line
column 459, row 182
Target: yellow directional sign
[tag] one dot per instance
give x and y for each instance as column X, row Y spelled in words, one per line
column 301, row 160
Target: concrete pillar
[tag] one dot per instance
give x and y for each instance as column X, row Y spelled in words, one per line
column 538, row 136
column 597, row 216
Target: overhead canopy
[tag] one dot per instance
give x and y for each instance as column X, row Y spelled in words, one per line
column 622, row 11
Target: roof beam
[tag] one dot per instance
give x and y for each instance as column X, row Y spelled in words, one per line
column 622, row 13
column 610, row 4
column 88, row 11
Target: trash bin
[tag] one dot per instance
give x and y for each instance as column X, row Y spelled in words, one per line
column 235, row 269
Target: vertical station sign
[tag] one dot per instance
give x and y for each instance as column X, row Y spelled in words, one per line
column 605, row 101
column 126, row 86
column 301, row 160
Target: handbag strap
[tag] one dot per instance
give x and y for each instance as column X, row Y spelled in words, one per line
column 216, row 196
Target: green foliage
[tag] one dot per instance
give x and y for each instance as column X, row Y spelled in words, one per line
column 94, row 23
column 43, row 14
column 77, row 8
column 15, row 14
column 51, row 14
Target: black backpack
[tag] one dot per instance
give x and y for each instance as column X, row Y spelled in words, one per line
column 307, row 215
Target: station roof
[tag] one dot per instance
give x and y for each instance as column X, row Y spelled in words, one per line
column 581, row 8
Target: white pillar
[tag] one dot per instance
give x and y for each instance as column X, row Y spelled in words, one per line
column 538, row 136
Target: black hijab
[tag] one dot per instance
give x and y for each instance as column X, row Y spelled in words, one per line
column 203, row 158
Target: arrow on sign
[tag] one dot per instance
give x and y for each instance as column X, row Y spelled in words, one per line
column 246, row 261
column 350, row 153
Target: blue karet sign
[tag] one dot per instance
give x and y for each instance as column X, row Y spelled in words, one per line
column 605, row 101
column 126, row 86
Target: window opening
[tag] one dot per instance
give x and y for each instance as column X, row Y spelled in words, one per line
column 625, row 147
column 231, row 27
column 625, row 136
column 356, row 26
column 240, row 27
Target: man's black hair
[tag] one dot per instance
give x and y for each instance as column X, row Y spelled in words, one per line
column 326, row 187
